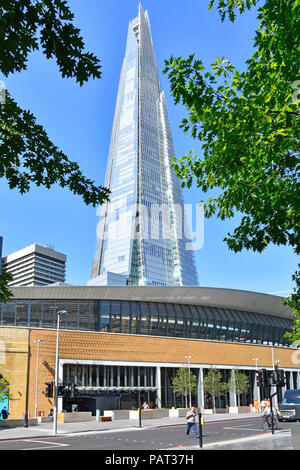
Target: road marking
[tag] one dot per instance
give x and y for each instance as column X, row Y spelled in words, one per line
column 51, row 446
column 243, row 429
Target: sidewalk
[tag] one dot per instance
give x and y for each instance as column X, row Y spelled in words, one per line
column 280, row 440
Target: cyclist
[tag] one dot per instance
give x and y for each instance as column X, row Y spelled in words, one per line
column 267, row 416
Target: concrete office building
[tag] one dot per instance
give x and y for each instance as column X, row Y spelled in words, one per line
column 35, row 265
column 142, row 234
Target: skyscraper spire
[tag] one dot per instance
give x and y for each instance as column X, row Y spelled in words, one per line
column 141, row 235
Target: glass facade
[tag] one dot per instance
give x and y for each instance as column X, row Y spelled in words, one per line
column 142, row 232
column 149, row 318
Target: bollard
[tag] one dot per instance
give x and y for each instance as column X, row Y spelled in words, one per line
column 26, row 420
column 200, row 430
column 140, row 417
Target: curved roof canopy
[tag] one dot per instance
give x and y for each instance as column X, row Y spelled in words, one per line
column 208, row 296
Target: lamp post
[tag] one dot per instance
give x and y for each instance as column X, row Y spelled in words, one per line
column 189, row 363
column 256, row 359
column 38, row 341
column 56, row 374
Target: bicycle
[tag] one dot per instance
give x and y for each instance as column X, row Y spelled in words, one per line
column 267, row 422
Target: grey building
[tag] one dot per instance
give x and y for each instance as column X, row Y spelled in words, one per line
column 35, row 265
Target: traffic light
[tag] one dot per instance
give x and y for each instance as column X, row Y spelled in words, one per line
column 60, row 390
column 260, row 378
column 280, row 382
column 273, row 378
column 49, row 389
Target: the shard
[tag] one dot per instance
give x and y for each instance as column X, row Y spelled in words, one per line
column 142, row 236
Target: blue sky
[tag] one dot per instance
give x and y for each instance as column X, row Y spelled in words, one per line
column 79, row 121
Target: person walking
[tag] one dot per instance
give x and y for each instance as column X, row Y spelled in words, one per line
column 5, row 413
column 191, row 417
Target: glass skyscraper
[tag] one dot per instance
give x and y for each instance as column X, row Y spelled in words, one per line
column 142, row 234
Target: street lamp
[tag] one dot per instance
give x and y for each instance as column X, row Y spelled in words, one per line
column 189, row 362
column 38, row 341
column 56, row 374
column 256, row 359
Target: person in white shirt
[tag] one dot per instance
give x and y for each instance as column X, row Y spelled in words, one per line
column 191, row 417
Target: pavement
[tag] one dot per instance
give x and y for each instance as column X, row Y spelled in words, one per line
column 280, row 440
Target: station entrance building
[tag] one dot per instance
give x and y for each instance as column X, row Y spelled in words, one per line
column 123, row 345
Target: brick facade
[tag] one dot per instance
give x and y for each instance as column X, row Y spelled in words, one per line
column 16, row 342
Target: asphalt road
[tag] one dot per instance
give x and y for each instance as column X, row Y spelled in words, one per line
column 166, row 438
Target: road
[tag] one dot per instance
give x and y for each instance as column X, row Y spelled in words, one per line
column 165, row 438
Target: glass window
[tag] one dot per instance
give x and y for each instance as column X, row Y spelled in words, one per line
column 22, row 313
column 9, row 313
column 154, row 320
column 36, row 313
column 163, row 320
column 179, row 320
column 187, row 321
column 171, row 320
column 49, row 314
column 60, row 305
column 145, row 317
column 136, row 318
column 84, row 314
column 105, row 324
column 126, row 317
column 203, row 322
column 73, row 314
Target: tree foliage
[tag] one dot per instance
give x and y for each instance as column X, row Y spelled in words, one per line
column 214, row 384
column 27, row 155
column 5, row 389
column 5, row 293
column 184, row 382
column 239, row 382
column 248, row 125
column 29, row 25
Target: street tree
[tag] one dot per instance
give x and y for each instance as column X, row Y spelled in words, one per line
column 246, row 125
column 184, row 382
column 214, row 385
column 5, row 293
column 27, row 155
column 5, row 389
column 239, row 383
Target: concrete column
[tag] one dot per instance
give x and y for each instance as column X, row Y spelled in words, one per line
column 158, row 385
column 60, row 381
column 125, row 376
column 118, row 376
column 200, row 392
column 90, row 375
column 232, row 394
column 104, row 376
column 97, row 376
column 256, row 389
column 291, row 381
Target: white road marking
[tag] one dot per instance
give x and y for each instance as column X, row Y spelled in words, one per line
column 245, row 429
column 51, row 446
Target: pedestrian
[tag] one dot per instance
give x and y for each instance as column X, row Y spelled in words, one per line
column 50, row 415
column 191, row 417
column 4, row 413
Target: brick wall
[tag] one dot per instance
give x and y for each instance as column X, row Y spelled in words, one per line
column 118, row 347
